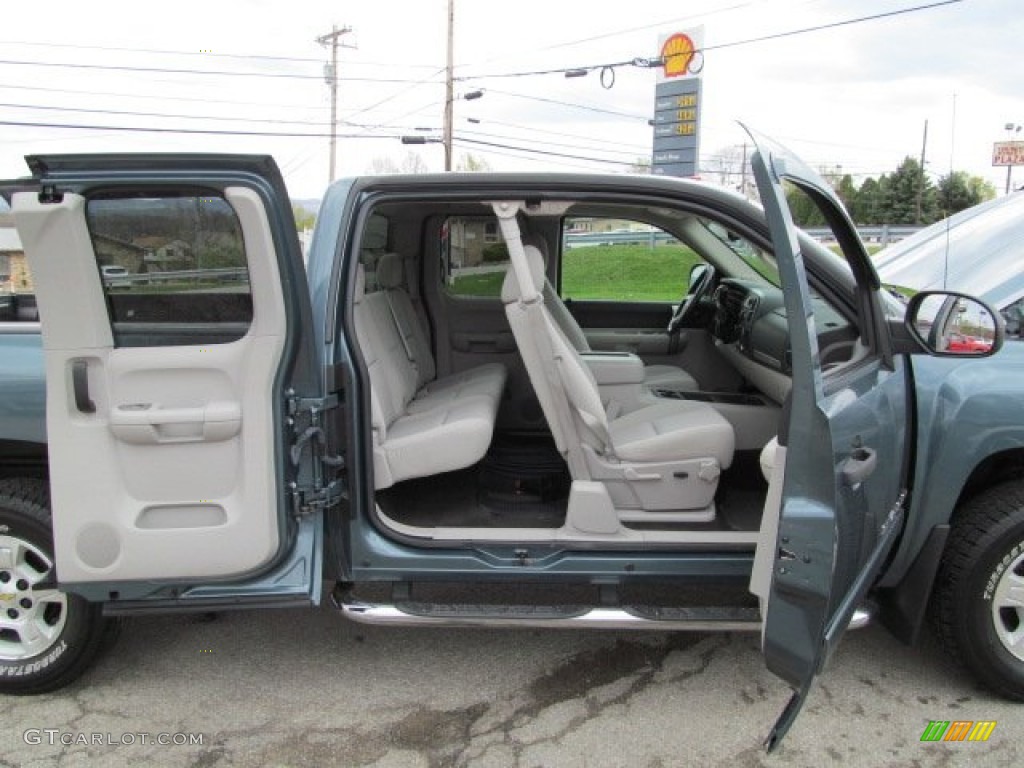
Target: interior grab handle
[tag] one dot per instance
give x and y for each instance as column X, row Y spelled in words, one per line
column 146, row 423
column 80, row 386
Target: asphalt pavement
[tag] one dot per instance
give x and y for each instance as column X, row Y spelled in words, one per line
column 308, row 688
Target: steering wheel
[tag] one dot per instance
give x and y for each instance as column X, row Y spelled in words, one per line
column 697, row 291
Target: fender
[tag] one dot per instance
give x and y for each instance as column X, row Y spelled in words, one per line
column 968, row 411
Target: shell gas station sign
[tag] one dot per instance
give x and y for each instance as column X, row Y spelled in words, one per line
column 677, row 103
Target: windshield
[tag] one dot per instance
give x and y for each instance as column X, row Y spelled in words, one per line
column 759, row 260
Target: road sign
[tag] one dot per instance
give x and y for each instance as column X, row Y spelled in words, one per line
column 1008, row 153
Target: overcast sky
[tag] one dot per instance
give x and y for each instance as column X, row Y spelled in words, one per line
column 855, row 96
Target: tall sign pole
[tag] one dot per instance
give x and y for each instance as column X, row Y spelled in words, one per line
column 449, row 92
column 331, row 77
column 677, row 104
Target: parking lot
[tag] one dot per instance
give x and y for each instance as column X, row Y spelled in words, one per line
column 307, row 688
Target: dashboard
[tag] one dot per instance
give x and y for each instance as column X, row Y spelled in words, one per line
column 751, row 318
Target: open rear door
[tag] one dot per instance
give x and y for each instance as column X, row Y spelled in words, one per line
column 840, row 488
column 176, row 329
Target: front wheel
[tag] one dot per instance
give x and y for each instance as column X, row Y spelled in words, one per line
column 978, row 608
column 47, row 637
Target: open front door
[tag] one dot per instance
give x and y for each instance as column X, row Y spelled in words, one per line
column 840, row 488
column 175, row 321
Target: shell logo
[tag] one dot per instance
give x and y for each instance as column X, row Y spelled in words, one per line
column 680, row 56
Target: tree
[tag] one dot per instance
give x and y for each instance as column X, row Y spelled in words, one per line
column 847, row 192
column 303, row 218
column 413, row 163
column 911, row 195
column 469, row 163
column 640, row 165
column 958, row 191
column 382, row 166
column 727, row 165
column 804, row 211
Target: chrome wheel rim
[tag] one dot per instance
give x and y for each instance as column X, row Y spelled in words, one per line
column 32, row 614
column 1008, row 608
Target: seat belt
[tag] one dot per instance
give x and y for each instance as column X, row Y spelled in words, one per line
column 401, row 331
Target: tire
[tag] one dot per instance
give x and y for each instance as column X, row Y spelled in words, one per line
column 976, row 619
column 47, row 638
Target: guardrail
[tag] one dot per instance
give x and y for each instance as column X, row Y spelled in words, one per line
column 882, row 235
column 218, row 275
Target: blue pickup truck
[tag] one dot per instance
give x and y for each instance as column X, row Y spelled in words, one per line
column 446, row 417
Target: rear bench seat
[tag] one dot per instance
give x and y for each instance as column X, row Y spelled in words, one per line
column 422, row 425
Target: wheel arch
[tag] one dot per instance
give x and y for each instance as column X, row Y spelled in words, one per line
column 904, row 603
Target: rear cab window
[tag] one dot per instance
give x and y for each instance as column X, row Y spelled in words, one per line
column 474, row 257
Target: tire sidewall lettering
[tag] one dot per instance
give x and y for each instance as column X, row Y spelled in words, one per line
column 999, row 569
column 33, row 667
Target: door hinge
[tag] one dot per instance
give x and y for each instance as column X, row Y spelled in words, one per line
column 323, row 487
column 309, row 499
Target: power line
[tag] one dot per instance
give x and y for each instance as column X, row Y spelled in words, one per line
column 562, row 103
column 243, row 56
column 216, row 72
column 578, row 137
column 647, row 63
column 541, row 152
column 163, row 114
column 398, row 93
column 632, row 155
column 629, row 30
column 160, row 97
column 523, row 155
column 200, row 131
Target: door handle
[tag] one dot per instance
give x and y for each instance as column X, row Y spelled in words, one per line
column 80, row 386
column 859, row 466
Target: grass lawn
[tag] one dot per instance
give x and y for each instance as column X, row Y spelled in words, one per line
column 613, row 272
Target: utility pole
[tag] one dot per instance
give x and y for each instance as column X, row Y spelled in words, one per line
column 449, row 93
column 743, row 171
column 331, row 78
column 920, row 186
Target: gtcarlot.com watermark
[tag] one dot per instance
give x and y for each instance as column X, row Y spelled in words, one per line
column 55, row 736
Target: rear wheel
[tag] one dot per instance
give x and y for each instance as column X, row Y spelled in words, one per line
column 47, row 637
column 978, row 607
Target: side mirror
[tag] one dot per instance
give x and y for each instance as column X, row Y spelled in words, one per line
column 954, row 324
column 698, row 273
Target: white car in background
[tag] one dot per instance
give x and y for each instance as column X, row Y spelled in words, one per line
column 115, row 276
column 979, row 251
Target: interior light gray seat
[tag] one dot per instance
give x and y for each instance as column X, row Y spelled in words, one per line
column 419, row 429
column 488, row 379
column 655, row 376
column 665, row 455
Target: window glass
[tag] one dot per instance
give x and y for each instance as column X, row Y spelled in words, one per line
column 176, row 261
column 474, row 258
column 607, row 259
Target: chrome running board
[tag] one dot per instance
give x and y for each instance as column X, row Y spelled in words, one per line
column 704, row 619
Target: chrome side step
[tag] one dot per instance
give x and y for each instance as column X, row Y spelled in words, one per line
column 712, row 619
column 695, row 620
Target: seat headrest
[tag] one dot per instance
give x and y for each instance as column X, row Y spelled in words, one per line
column 510, row 288
column 538, row 242
column 360, row 289
column 390, row 271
